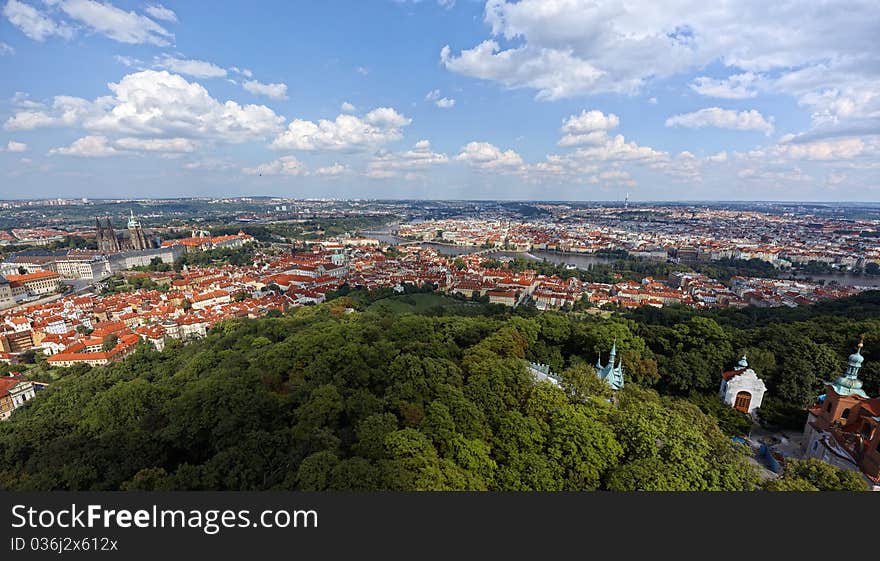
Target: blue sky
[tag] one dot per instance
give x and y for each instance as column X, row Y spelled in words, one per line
column 533, row 99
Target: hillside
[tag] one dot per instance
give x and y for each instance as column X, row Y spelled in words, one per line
column 327, row 400
column 327, row 397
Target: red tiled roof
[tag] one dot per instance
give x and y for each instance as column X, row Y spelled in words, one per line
column 731, row 373
column 7, row 383
column 33, row 276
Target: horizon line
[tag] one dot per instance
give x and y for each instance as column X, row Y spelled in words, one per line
column 403, row 199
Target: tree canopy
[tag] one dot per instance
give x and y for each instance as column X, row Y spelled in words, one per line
column 317, row 400
column 321, row 399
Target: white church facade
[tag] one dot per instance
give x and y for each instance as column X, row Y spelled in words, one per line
column 741, row 388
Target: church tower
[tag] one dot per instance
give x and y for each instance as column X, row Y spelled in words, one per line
column 106, row 237
column 849, row 383
column 136, row 234
column 112, row 239
column 99, row 234
column 843, row 427
column 612, row 373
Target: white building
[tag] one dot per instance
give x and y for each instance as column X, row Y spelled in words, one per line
column 7, row 300
column 541, row 373
column 741, row 388
column 14, row 392
column 82, row 268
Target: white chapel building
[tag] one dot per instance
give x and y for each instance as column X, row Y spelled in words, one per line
column 741, row 388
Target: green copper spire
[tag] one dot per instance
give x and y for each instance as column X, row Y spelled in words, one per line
column 612, row 373
column 849, row 383
column 132, row 221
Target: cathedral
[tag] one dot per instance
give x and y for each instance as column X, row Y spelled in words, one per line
column 109, row 241
column 611, row 373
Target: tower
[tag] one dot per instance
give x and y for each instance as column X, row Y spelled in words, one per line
column 849, row 383
column 136, row 234
column 612, row 373
column 107, row 240
column 112, row 237
column 99, row 234
column 843, row 427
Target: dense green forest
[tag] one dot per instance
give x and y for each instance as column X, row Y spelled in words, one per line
column 355, row 395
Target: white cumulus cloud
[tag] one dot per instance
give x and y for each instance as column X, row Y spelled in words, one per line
column 285, row 165
column 738, row 86
column 155, row 104
column 419, row 158
column 589, row 127
column 488, row 157
column 65, row 111
column 347, row 133
column 564, row 48
column 275, row 91
column 750, row 120
column 830, row 149
column 96, row 146
column 190, row 67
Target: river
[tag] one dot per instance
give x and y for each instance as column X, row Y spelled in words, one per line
column 579, row 260
column 583, row 261
column 843, row 279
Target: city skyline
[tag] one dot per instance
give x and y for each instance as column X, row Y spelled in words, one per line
column 441, row 100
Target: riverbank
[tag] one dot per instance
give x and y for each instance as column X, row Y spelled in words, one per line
column 586, row 261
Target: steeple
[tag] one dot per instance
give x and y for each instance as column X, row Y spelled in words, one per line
column 849, row 383
column 107, row 240
column 855, row 360
column 612, row 373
